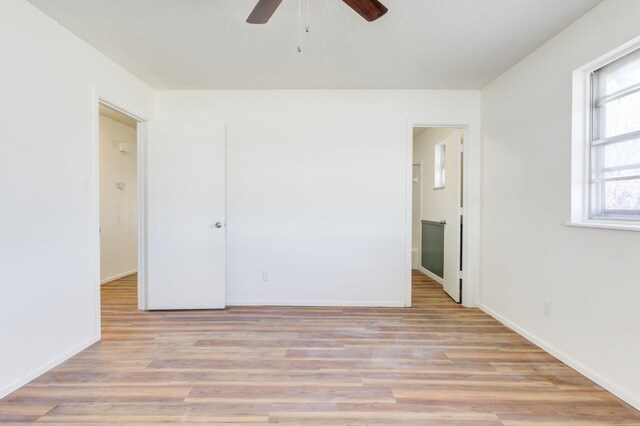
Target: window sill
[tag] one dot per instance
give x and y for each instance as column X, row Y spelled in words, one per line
column 601, row 224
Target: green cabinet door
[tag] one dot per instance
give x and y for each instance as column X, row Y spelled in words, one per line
column 433, row 247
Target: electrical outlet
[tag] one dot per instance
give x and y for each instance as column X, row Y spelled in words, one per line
column 547, row 308
column 266, row 276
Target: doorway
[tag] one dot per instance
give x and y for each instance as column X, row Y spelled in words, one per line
column 437, row 214
column 118, row 204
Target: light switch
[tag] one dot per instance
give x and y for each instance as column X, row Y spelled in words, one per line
column 84, row 183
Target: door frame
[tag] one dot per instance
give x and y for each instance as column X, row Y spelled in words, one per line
column 141, row 202
column 420, row 183
column 458, row 152
column 471, row 199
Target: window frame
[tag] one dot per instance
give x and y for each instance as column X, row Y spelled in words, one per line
column 598, row 140
column 583, row 136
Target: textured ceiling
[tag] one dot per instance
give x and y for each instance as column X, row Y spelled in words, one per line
column 418, row 44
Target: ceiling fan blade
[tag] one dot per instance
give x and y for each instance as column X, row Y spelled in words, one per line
column 263, row 11
column 368, row 9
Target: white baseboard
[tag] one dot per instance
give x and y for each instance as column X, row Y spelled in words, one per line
column 431, row 275
column 118, row 276
column 315, row 303
column 624, row 395
column 48, row 366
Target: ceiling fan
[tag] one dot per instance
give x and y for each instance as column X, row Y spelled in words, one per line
column 368, row 9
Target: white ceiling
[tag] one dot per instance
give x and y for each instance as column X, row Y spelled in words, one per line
column 418, row 44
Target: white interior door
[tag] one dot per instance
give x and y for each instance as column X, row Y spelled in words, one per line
column 185, row 215
column 452, row 215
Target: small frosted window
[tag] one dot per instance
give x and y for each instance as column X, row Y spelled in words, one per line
column 439, row 176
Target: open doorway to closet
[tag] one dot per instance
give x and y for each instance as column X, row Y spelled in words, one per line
column 118, row 200
column 437, row 218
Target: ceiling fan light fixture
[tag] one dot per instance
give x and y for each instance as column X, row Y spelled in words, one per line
column 370, row 10
column 263, row 11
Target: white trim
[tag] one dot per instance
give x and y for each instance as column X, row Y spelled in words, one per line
column 623, row 394
column 17, row 384
column 580, row 145
column 317, row 303
column 615, row 226
column 142, row 216
column 95, row 192
column 472, row 196
column 420, row 210
column 118, row 276
column 408, row 221
column 114, row 106
column 431, row 275
column 419, row 242
column 459, row 212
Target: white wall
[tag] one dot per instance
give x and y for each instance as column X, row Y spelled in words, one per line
column 591, row 276
column 317, row 187
column 48, row 225
column 118, row 208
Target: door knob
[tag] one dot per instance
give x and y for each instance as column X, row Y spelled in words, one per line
column 218, row 225
column 443, row 222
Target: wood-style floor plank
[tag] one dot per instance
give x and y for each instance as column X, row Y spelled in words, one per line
column 434, row 364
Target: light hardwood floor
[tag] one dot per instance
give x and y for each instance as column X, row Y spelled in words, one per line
column 434, row 364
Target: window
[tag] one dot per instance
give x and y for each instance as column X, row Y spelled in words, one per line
column 440, row 162
column 614, row 143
